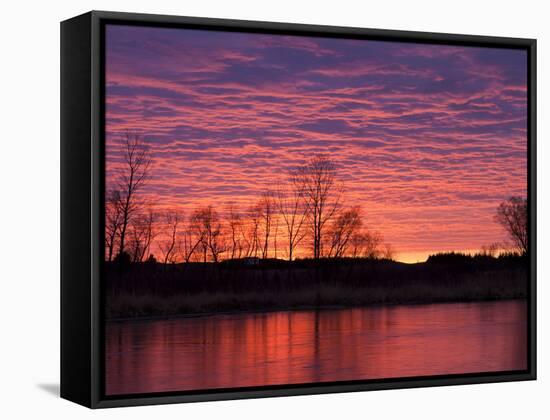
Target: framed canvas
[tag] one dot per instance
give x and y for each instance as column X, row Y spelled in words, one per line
column 254, row 209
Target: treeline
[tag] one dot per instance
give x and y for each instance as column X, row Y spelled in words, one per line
column 149, row 289
column 304, row 215
column 484, row 256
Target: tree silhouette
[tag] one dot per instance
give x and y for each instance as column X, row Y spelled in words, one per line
column 309, row 203
column 389, row 252
column 373, row 241
column 190, row 242
column 512, row 216
column 137, row 161
column 266, row 213
column 169, row 247
column 252, row 234
column 149, row 234
column 235, row 229
column 142, row 234
column 366, row 244
column 209, row 228
column 322, row 194
column 293, row 209
column 113, row 221
column 342, row 230
column 490, row 250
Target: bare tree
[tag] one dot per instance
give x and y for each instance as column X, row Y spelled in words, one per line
column 136, row 234
column 137, row 161
column 317, row 178
column 389, row 252
column 235, row 228
column 169, row 247
column 209, row 228
column 149, row 235
column 342, row 230
column 357, row 245
column 142, row 235
column 373, row 241
column 266, row 207
column 490, row 250
column 366, row 244
column 512, row 216
column 203, row 248
column 190, row 243
column 275, row 235
column 252, row 231
column 293, row 209
column 246, row 239
column 113, row 221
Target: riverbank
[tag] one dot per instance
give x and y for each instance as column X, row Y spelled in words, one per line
column 154, row 290
column 191, row 315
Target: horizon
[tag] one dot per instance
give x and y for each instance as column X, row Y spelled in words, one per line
column 427, row 139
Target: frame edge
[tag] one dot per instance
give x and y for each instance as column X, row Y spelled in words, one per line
column 96, row 400
column 76, row 235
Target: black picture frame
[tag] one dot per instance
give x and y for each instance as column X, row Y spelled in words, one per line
column 82, row 225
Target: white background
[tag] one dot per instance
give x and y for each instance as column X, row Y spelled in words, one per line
column 29, row 210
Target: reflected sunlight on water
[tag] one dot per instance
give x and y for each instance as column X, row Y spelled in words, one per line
column 311, row 346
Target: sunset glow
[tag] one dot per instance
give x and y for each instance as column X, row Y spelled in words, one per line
column 426, row 139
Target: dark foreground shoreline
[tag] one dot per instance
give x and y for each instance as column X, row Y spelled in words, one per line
column 142, row 291
column 305, row 308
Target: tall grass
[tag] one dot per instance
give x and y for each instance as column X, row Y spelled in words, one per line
column 147, row 290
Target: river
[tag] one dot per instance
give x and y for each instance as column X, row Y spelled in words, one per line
column 292, row 347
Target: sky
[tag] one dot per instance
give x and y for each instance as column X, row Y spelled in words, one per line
column 427, row 139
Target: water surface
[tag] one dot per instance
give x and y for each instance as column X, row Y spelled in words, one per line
column 293, row 347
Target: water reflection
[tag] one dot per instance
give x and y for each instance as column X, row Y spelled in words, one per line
column 311, row 346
